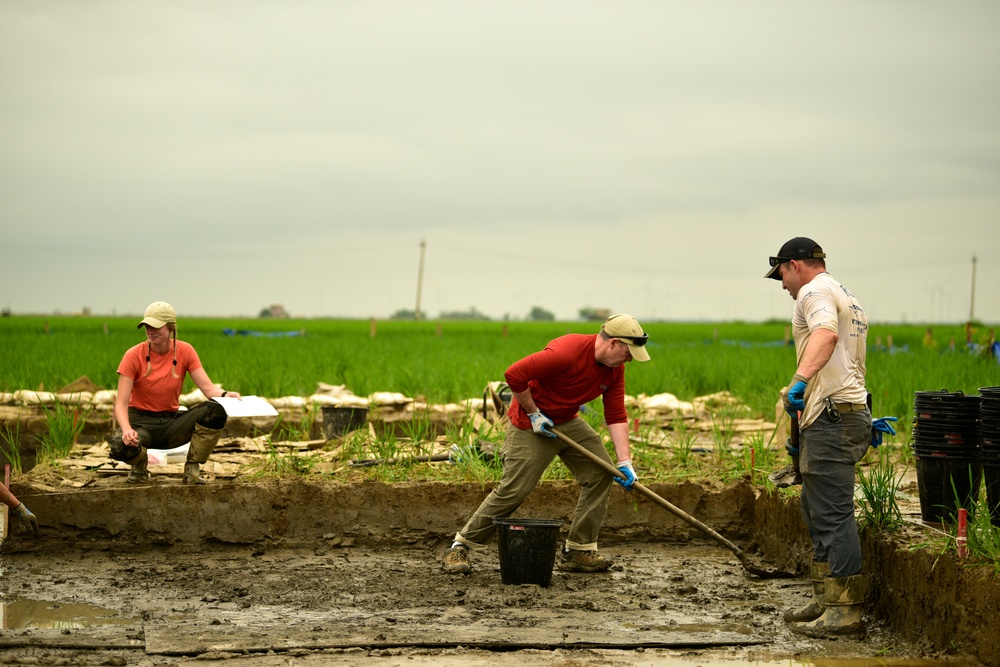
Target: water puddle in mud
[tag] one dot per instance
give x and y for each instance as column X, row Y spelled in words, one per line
column 18, row 613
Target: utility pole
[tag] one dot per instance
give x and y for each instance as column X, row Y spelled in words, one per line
column 972, row 300
column 420, row 279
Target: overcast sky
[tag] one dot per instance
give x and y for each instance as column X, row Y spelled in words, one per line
column 645, row 157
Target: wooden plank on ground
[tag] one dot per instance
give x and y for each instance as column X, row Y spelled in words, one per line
column 175, row 639
column 97, row 637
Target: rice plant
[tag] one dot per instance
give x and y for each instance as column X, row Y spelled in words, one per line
column 64, row 427
column 982, row 537
column 723, row 421
column 283, row 463
column 682, row 441
column 879, row 510
column 756, row 459
column 386, row 444
column 470, row 462
column 420, row 433
column 11, row 446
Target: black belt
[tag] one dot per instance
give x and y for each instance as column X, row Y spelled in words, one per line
column 149, row 413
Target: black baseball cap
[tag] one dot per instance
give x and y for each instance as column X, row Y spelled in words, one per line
column 798, row 248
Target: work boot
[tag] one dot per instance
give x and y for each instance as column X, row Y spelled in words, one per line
column 812, row 609
column 842, row 601
column 192, row 474
column 203, row 442
column 571, row 560
column 456, row 560
column 139, row 474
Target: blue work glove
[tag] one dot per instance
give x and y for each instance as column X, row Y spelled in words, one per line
column 27, row 519
column 628, row 475
column 541, row 424
column 880, row 426
column 793, row 398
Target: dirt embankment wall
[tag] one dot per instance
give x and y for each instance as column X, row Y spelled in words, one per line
column 294, row 513
column 923, row 596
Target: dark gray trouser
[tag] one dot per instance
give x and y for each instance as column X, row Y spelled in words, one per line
column 166, row 430
column 829, row 453
column 525, row 458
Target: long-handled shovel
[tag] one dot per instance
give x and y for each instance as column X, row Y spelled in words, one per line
column 748, row 565
column 790, row 474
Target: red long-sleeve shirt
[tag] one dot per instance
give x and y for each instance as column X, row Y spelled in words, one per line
column 564, row 376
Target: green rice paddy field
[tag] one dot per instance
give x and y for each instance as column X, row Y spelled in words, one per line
column 447, row 361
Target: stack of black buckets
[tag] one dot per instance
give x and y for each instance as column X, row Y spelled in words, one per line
column 956, row 439
column 989, row 429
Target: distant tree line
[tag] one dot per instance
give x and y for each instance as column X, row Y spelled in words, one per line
column 536, row 314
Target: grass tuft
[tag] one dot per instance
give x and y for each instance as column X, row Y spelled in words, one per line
column 879, row 509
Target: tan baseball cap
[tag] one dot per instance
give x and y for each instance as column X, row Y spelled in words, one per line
column 626, row 329
column 157, row 315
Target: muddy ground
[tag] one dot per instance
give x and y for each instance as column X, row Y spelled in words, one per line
column 298, row 572
column 395, row 606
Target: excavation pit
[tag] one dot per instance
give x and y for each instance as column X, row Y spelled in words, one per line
column 334, row 573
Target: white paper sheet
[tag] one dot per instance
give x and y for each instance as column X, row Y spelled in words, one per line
column 246, row 406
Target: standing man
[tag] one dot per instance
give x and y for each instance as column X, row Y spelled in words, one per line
column 835, row 430
column 548, row 388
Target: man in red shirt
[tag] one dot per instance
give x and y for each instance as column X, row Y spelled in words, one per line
column 549, row 387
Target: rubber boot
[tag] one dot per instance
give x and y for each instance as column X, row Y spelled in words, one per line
column 139, row 474
column 203, row 442
column 843, row 599
column 818, row 572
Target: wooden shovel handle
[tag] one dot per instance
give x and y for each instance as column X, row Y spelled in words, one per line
column 649, row 493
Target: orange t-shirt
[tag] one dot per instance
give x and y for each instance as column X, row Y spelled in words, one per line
column 159, row 391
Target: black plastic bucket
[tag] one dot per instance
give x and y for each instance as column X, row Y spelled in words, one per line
column 338, row 420
column 947, row 483
column 991, row 476
column 527, row 550
column 989, row 428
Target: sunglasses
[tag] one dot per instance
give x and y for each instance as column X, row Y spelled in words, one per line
column 638, row 341
column 816, row 254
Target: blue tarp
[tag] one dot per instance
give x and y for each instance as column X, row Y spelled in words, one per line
column 272, row 334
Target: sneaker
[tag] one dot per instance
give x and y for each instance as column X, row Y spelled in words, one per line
column 456, row 561
column 571, row 560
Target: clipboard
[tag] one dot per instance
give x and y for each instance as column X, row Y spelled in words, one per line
column 246, row 406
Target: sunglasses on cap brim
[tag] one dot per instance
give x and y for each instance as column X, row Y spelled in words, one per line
column 638, row 341
column 774, row 261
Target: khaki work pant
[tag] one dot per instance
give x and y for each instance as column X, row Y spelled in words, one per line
column 525, row 457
